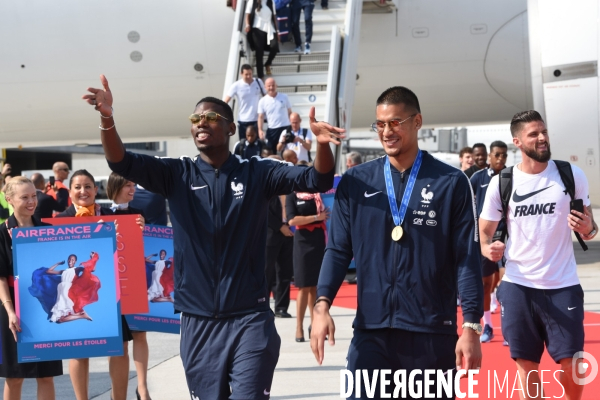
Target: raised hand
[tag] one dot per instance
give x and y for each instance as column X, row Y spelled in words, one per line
column 101, row 99
column 61, row 263
column 325, row 132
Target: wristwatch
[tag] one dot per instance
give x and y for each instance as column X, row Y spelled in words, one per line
column 592, row 233
column 475, row 326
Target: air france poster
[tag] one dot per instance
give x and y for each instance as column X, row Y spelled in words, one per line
column 130, row 262
column 160, row 268
column 67, row 293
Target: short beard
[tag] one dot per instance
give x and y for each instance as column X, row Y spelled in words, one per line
column 543, row 157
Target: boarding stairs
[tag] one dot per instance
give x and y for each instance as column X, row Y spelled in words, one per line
column 325, row 78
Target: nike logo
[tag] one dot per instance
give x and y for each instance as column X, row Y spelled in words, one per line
column 517, row 199
column 570, row 308
column 485, row 185
column 266, row 393
column 371, row 194
column 197, row 187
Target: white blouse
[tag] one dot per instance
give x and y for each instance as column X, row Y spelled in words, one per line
column 262, row 19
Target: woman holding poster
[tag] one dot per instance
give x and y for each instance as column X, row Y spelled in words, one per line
column 121, row 192
column 21, row 194
column 83, row 191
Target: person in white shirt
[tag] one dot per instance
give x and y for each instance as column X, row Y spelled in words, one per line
column 261, row 27
column 540, row 294
column 276, row 107
column 296, row 138
column 248, row 92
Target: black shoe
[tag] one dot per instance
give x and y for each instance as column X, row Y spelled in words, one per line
column 283, row 314
column 137, row 394
column 309, row 329
column 300, row 339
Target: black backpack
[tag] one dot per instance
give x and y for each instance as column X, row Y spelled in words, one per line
column 566, row 175
column 244, row 143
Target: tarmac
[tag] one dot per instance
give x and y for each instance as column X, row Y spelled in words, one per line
column 298, row 376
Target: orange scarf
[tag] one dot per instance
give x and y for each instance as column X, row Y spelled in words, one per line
column 89, row 211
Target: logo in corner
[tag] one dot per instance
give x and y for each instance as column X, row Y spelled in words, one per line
column 427, row 196
column 238, row 189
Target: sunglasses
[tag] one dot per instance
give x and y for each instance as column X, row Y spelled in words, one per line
column 394, row 125
column 210, row 116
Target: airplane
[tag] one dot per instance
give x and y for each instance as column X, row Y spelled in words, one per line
column 469, row 62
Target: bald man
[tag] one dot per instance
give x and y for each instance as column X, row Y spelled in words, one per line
column 46, row 204
column 276, row 108
column 59, row 191
column 296, row 139
column 290, row 156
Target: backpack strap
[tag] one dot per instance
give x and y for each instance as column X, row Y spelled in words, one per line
column 505, row 187
column 259, row 83
column 304, row 133
column 566, row 175
column 241, row 148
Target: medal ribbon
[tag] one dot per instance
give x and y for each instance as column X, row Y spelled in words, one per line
column 389, row 184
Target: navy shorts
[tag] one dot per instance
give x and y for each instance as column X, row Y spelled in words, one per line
column 397, row 349
column 532, row 318
column 488, row 267
column 229, row 358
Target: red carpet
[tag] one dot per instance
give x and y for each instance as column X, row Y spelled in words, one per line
column 496, row 357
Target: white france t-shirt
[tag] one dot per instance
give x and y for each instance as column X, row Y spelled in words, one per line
column 539, row 250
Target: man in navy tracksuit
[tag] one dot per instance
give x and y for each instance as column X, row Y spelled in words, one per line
column 407, row 279
column 229, row 345
column 480, row 181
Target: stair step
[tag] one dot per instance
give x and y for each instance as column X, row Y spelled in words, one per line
column 288, row 57
column 311, row 79
column 301, row 88
column 291, row 63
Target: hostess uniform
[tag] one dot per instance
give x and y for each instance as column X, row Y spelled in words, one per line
column 480, row 182
column 540, row 291
column 409, row 285
column 219, row 280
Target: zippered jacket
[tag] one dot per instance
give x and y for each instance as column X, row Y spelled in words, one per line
column 410, row 284
column 219, row 219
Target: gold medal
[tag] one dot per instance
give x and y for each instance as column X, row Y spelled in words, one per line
column 397, row 233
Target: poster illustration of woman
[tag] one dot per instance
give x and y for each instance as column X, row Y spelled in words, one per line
column 161, row 284
column 64, row 293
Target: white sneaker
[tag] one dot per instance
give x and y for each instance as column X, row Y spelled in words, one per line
column 306, row 48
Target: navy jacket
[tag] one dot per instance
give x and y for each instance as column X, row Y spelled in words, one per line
column 154, row 206
column 219, row 219
column 480, row 181
column 410, row 284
